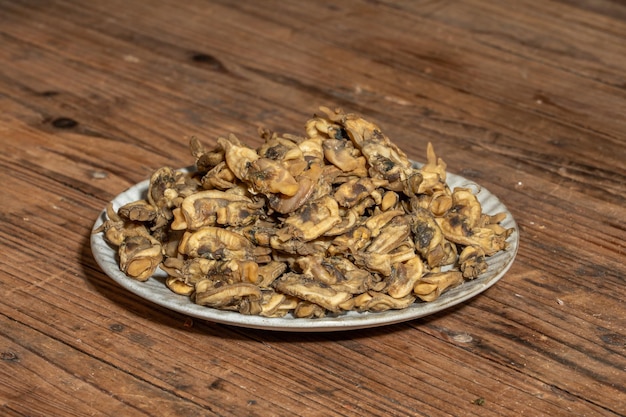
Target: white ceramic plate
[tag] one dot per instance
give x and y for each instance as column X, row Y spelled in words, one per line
column 155, row 290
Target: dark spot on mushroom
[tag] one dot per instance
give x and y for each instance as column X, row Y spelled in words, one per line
column 423, row 235
column 274, row 152
column 455, row 221
column 306, row 213
column 341, row 134
column 385, row 164
column 359, row 188
column 133, row 243
column 64, row 123
column 334, row 271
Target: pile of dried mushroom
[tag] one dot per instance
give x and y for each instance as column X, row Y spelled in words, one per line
column 338, row 219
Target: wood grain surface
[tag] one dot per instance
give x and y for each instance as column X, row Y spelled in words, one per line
column 527, row 98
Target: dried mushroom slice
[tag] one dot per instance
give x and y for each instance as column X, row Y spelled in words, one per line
column 227, row 296
column 392, row 235
column 216, row 243
column 140, row 256
column 269, row 304
column 352, row 192
column 308, row 310
column 238, row 157
column 270, row 177
column 404, row 277
column 179, row 286
column 472, row 262
column 433, row 173
column 432, row 285
column 430, row 241
column 116, row 229
column 343, row 154
column 307, row 182
column 138, row 211
column 220, row 177
column 378, row 301
column 309, row 289
column 215, row 207
column 283, row 150
column 205, row 160
column 311, row 220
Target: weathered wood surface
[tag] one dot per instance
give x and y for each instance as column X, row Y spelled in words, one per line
column 527, row 98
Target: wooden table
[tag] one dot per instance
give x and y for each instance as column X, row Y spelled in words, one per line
column 526, row 98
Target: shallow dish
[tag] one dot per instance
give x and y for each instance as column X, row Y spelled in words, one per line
column 154, row 289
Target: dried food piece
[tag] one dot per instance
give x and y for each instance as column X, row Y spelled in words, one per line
column 431, row 285
column 351, row 278
column 216, row 243
column 379, row 301
column 352, row 192
column 472, row 262
column 404, row 277
column 307, row 182
column 350, row 242
column 269, row 304
column 167, row 189
column 116, row 229
column 433, row 173
column 206, row 160
column 138, row 211
column 140, row 256
column 310, row 290
column 220, row 177
column 389, row 201
column 283, row 150
column 179, row 286
column 269, row 272
column 312, row 266
column 225, row 296
column 429, row 239
column 343, row 154
column 392, row 235
column 308, row 310
column 311, row 220
column 384, row 158
column 215, row 207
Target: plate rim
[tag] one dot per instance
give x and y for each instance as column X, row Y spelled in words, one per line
column 105, row 256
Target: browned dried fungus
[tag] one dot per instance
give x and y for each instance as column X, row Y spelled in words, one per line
column 338, row 219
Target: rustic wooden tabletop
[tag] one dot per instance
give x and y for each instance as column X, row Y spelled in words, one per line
column 525, row 98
